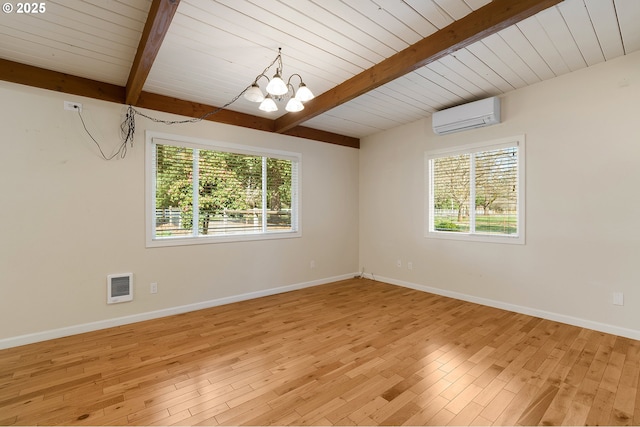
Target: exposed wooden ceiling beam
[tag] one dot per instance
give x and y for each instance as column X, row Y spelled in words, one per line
column 28, row 75
column 181, row 107
column 60, row 82
column 158, row 22
column 487, row 20
column 324, row 136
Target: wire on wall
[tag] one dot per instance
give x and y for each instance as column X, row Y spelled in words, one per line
column 122, row 150
column 128, row 125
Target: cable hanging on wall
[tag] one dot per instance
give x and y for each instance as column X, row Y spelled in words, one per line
column 122, row 150
column 128, row 125
column 130, row 122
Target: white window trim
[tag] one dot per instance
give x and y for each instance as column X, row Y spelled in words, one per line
column 191, row 142
column 519, row 238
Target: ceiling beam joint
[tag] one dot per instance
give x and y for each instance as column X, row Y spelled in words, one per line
column 155, row 29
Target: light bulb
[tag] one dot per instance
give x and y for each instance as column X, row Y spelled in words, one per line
column 276, row 86
column 294, row 105
column 254, row 94
column 304, row 93
column 268, row 105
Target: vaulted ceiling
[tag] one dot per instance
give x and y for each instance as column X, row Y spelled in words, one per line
column 372, row 64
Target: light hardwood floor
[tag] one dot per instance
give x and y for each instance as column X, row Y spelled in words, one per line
column 352, row 352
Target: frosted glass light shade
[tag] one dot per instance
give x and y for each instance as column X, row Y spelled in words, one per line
column 294, row 105
column 268, row 105
column 276, row 86
column 254, row 94
column 304, row 93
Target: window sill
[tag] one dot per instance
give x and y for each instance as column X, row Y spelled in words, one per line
column 486, row 238
column 229, row 238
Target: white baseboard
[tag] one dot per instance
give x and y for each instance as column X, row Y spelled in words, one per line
column 119, row 321
column 562, row 318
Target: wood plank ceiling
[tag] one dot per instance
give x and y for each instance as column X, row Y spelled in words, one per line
column 372, row 64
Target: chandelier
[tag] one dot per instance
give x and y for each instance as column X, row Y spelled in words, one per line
column 278, row 90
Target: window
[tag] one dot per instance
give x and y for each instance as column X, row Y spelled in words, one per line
column 477, row 192
column 206, row 192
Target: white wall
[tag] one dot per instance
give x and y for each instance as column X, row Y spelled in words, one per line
column 582, row 204
column 69, row 218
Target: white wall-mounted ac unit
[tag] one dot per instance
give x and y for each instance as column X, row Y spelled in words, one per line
column 473, row 115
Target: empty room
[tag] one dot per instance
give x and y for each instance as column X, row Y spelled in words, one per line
column 320, row 212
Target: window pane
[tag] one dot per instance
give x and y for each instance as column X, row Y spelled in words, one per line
column 174, row 191
column 496, row 191
column 279, row 184
column 228, row 196
column 451, row 193
column 230, row 193
column 475, row 192
column 200, row 193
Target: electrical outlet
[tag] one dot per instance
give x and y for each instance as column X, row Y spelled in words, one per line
column 153, row 288
column 410, row 265
column 312, row 264
column 618, row 298
column 72, row 106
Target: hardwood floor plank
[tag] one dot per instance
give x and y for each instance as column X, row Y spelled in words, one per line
column 600, row 411
column 559, row 407
column 466, row 416
column 326, row 392
column 457, row 387
column 546, row 370
column 480, row 421
column 497, row 405
column 242, row 413
column 481, row 354
column 436, row 390
column 209, row 400
column 489, row 392
column 522, row 377
column 206, row 417
column 278, row 413
column 485, row 372
column 525, row 398
column 354, row 352
column 429, row 411
column 623, row 405
column 463, row 399
column 360, row 411
column 633, row 357
column 160, row 407
column 401, row 415
column 8, row 421
column 27, row 408
column 442, row 418
column 576, row 414
column 373, row 387
column 393, row 406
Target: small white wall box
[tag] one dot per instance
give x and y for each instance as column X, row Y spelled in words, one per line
column 119, row 288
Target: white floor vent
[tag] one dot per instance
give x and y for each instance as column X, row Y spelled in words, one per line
column 119, row 288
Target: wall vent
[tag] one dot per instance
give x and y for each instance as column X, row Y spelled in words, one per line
column 119, row 288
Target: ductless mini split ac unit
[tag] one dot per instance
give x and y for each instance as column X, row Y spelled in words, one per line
column 473, row 115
